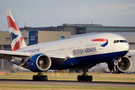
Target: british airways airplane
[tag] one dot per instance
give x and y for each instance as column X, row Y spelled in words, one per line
column 73, row 53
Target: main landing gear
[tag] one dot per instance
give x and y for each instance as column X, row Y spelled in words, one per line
column 40, row 77
column 84, row 76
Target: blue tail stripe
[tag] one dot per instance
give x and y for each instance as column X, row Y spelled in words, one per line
column 13, row 36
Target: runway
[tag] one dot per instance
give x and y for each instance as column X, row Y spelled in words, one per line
column 68, row 83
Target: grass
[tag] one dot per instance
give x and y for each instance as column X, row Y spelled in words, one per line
column 66, row 76
column 114, row 77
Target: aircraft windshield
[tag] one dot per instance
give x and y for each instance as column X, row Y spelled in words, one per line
column 120, row 41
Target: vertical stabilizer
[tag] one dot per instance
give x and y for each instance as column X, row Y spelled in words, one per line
column 16, row 37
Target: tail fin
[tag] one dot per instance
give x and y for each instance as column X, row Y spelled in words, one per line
column 17, row 41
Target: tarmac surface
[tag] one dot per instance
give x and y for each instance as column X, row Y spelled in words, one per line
column 68, row 83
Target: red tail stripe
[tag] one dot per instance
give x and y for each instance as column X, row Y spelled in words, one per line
column 18, row 44
column 11, row 23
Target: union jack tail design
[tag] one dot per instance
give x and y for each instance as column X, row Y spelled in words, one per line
column 16, row 39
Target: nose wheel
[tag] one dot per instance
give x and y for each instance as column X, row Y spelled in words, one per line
column 40, row 77
column 84, row 76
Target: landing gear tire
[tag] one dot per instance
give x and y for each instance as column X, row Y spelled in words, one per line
column 84, row 78
column 40, row 77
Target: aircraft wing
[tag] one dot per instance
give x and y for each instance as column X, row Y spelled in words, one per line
column 130, row 53
column 58, row 58
column 9, row 54
column 62, row 56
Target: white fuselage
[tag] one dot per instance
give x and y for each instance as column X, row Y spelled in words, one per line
column 76, row 47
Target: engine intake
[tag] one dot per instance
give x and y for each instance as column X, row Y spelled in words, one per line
column 39, row 62
column 122, row 65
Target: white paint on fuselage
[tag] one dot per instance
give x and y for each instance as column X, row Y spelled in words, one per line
column 67, row 46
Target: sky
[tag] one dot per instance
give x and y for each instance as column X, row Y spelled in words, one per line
column 46, row 13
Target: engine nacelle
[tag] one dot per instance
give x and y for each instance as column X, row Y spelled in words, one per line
column 121, row 65
column 39, row 63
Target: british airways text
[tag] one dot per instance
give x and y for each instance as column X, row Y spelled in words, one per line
column 85, row 50
column 33, row 50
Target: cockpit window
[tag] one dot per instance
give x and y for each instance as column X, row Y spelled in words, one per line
column 115, row 41
column 120, row 41
column 125, row 41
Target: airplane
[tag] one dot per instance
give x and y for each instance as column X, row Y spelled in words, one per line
column 79, row 53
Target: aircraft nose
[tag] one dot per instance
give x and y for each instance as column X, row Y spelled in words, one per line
column 124, row 48
column 127, row 47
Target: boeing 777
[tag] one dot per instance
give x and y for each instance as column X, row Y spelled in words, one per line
column 73, row 53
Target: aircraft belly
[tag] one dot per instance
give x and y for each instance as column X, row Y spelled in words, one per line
column 87, row 60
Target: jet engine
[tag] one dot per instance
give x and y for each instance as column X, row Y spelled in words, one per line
column 39, row 63
column 120, row 65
